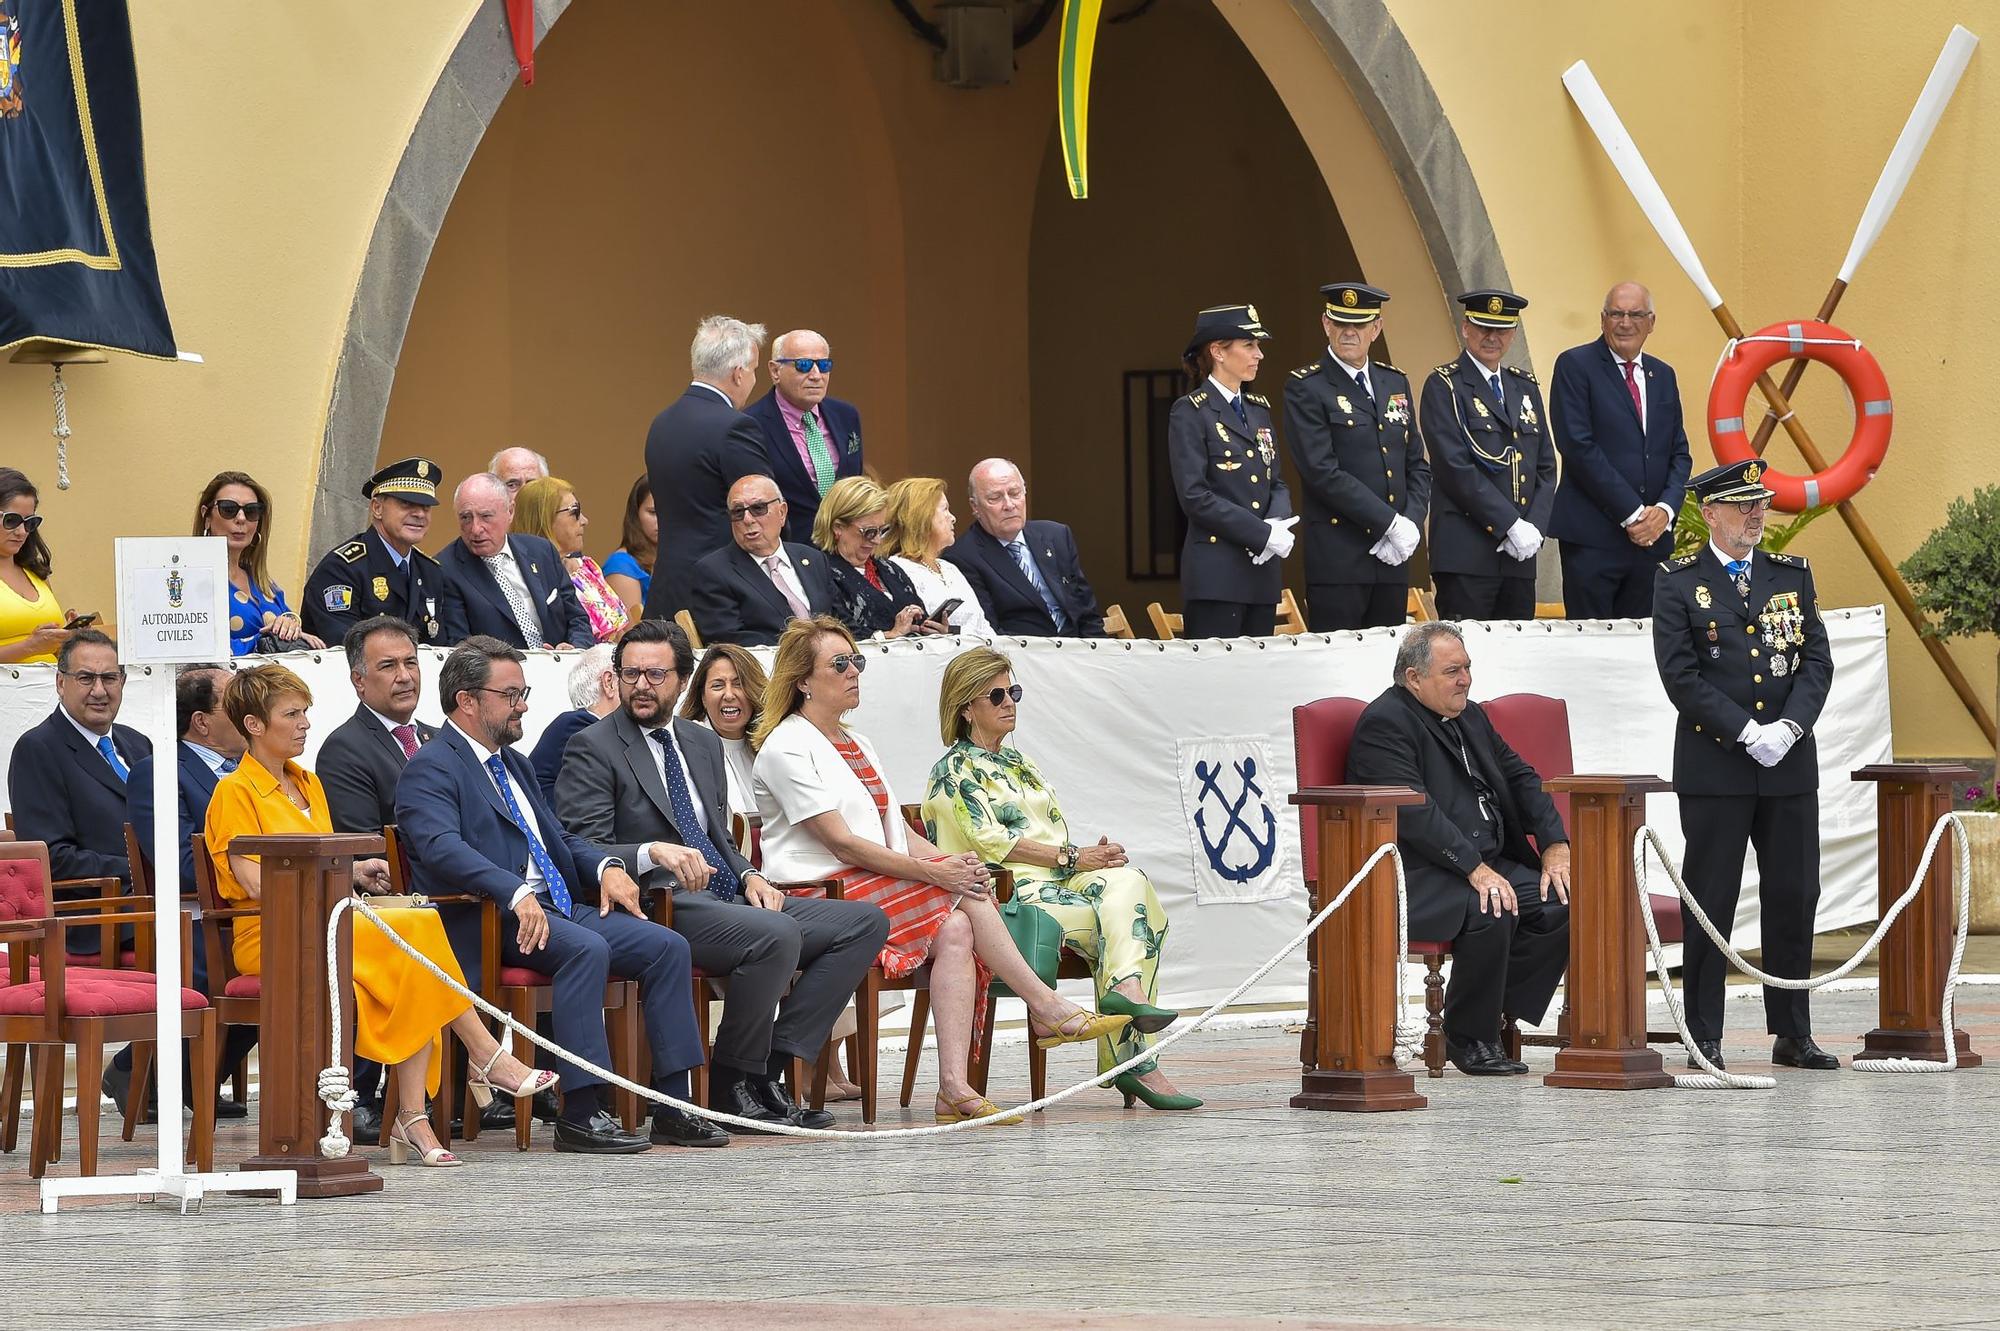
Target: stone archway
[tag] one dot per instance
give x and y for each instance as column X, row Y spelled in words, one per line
column 1360, row 39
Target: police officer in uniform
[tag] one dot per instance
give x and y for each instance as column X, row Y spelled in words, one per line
column 1224, row 457
column 1352, row 427
column 1486, row 430
column 1744, row 658
column 381, row 571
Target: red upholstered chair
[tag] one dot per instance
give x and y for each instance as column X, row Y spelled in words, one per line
column 48, row 1006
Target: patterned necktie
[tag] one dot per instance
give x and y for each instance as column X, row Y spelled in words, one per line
column 228, row 766
column 800, row 610
column 1739, row 573
column 553, row 880
column 1361, row 382
column 825, row 469
column 525, row 617
column 1632, row 387
column 1026, row 562
column 724, row 885
column 407, row 737
column 110, row 752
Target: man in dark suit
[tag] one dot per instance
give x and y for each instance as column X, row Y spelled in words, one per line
column 1352, row 428
column 1485, row 855
column 67, row 778
column 1617, row 421
column 473, row 819
column 1026, row 574
column 1485, row 430
column 750, row 589
column 696, row 449
column 381, row 571
column 209, row 747
column 1745, row 661
column 652, row 790
column 593, row 691
column 810, row 440
column 498, row 585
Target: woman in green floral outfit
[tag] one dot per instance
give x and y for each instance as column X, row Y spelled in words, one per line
column 986, row 797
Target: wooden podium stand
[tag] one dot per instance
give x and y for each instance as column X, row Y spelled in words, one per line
column 303, row 876
column 1606, row 987
column 1355, row 966
column 1916, row 954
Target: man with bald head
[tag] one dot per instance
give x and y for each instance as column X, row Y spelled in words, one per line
column 810, row 439
column 750, row 589
column 1027, row 574
column 1617, row 420
column 517, row 466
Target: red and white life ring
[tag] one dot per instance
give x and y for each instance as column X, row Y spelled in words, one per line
column 1736, row 377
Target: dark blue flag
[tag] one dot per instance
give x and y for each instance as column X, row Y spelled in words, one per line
column 76, row 243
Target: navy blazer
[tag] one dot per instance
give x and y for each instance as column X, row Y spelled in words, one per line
column 358, row 768
column 65, row 794
column 197, row 787
column 843, row 426
column 474, row 603
column 460, row 837
column 1010, row 600
column 734, row 600
column 1611, row 467
column 547, row 756
column 696, row 449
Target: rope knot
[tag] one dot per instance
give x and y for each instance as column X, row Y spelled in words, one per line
column 337, row 1094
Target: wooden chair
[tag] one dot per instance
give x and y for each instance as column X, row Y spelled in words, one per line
column 49, row 1007
column 686, row 620
column 1166, row 626
column 1115, row 623
column 1291, row 619
column 1421, row 606
column 238, row 999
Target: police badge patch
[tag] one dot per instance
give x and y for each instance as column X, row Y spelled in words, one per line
column 381, row 589
column 338, row 598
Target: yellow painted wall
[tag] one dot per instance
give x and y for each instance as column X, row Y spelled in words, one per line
column 272, row 132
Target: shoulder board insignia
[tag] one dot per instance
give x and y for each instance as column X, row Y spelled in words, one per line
column 1684, row 561
column 1306, row 371
column 1519, row 373
column 1198, row 398
column 1384, row 365
column 1792, row 561
column 1444, row 371
column 353, row 552
column 1260, row 400
column 428, row 559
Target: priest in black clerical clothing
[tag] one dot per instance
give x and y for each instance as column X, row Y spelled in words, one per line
column 1485, row 855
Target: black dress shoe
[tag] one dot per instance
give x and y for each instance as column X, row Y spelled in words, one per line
column 603, row 1135
column 677, row 1127
column 228, row 1108
column 548, row 1107
column 499, row 1113
column 739, row 1096
column 117, row 1083
column 1480, row 1058
column 1710, row 1050
column 1799, row 1051
column 772, row 1095
column 368, row 1122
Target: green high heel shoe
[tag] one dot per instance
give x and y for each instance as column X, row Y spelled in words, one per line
column 1128, row 1085
column 1146, row 1018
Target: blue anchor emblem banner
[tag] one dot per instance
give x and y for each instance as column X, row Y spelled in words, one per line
column 1232, row 805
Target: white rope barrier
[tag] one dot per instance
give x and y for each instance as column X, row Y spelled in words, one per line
column 61, row 432
column 1713, row 1078
column 336, row 1093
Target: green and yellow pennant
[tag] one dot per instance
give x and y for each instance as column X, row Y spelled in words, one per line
column 1079, row 43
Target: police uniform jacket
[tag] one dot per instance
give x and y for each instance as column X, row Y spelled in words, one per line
column 1226, row 478
column 1361, row 464
column 1493, row 464
column 1726, row 663
column 360, row 579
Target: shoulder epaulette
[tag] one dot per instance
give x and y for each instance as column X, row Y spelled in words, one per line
column 1306, row 371
column 1444, row 371
column 1684, row 561
column 1792, row 561
column 428, row 559
column 1259, row 399
column 1198, row 398
column 353, row 552
column 1529, row 375
column 1390, row 368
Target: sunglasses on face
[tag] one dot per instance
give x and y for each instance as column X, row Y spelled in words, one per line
column 230, row 509
column 654, row 675
column 1012, row 693
column 574, row 510
column 14, row 521
column 756, row 510
column 872, row 533
column 807, row 364
column 839, row 664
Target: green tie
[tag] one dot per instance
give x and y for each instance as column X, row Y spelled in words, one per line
column 824, row 468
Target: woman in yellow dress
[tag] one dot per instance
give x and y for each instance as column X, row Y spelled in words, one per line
column 399, row 1006
column 986, row 797
column 31, row 620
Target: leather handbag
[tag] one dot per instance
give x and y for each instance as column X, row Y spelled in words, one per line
column 1037, row 935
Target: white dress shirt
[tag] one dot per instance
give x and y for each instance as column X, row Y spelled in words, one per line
column 937, row 588
column 534, row 881
column 786, row 573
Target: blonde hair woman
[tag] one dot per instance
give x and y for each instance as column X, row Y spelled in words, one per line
column 548, row 507
column 987, row 798
column 921, row 528
column 829, row 813
column 871, row 596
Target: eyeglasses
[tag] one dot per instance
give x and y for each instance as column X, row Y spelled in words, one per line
column 1747, row 506
column 514, row 697
column 839, row 664
column 872, row 533
column 655, row 675
column 91, row 679
column 14, row 521
column 1628, row 316
column 806, row 364
column 1012, row 693
column 229, row 508
column 574, row 510
column 757, row 510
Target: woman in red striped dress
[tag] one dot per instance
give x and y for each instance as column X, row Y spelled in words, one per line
column 828, row 812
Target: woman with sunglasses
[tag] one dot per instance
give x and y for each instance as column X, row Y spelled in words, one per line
column 872, row 596
column 548, row 507
column 31, row 622
column 921, row 528
column 628, row 570
column 987, row 798
column 238, row 509
column 829, row 813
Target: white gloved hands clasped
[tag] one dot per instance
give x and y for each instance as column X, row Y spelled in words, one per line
column 1398, row 543
column 1771, row 742
column 1522, row 540
column 1280, row 542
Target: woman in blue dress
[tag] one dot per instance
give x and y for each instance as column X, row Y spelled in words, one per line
column 629, row 568
column 238, row 509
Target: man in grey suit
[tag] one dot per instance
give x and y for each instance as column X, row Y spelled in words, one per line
column 651, row 790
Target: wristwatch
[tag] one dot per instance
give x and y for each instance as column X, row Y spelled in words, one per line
column 1066, row 858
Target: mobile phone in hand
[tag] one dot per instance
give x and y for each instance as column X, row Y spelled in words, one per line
column 81, row 622
column 943, row 613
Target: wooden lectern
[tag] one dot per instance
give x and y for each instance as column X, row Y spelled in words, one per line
column 1356, row 969
column 1916, row 954
column 1606, row 987
column 303, row 876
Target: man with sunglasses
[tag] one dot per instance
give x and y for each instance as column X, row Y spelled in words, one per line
column 381, row 571
column 652, row 790
column 1744, row 658
column 810, row 440
column 748, row 591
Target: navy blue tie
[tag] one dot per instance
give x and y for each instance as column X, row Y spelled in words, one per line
column 1242, row 416
column 558, row 890
column 724, row 885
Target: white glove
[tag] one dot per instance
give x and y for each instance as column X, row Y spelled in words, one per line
column 1521, row 541
column 1771, row 743
column 1281, row 540
column 1387, row 550
column 1405, row 534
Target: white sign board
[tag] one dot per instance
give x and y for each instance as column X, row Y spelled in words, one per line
column 173, row 600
